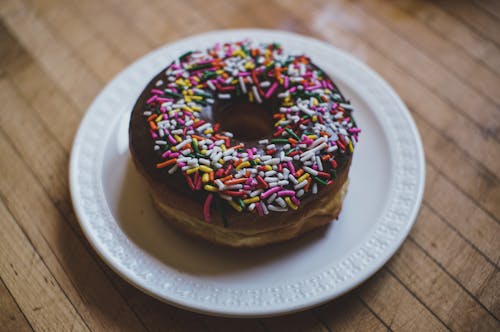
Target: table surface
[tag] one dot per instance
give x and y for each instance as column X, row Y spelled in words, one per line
column 442, row 57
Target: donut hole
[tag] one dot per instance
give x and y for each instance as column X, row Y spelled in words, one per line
column 247, row 121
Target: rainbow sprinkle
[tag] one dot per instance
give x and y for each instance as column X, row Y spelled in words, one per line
column 313, row 125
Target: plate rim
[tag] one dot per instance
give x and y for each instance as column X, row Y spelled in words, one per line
column 236, row 311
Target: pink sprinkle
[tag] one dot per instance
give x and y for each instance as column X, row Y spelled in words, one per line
column 206, row 207
column 243, row 74
column 158, row 92
column 172, row 139
column 295, row 200
column 330, row 86
column 153, row 134
column 259, row 209
column 151, row 99
column 250, row 153
column 286, row 81
column 290, row 167
column 313, row 87
column 292, row 90
column 286, row 193
column 270, row 192
column 166, row 154
column 181, row 164
column 271, row 89
column 174, row 154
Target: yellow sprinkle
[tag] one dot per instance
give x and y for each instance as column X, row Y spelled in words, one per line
column 251, row 200
column 290, row 203
column 199, row 86
column 205, row 169
column 210, row 188
column 250, row 96
column 208, row 131
column 159, row 118
column 234, row 82
column 351, row 148
column 257, row 160
column 223, row 148
column 315, row 101
column 312, row 136
column 196, row 78
column 203, row 151
column 328, row 91
column 177, row 138
column 197, row 97
column 221, row 161
column 196, row 108
column 303, row 177
column 185, row 107
column 249, row 65
column 192, row 170
column 235, row 206
column 219, row 72
column 269, row 168
column 314, row 118
column 205, row 178
column 243, row 165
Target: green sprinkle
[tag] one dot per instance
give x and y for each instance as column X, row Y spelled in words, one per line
column 240, row 202
column 288, row 130
column 222, row 210
column 321, row 181
column 279, row 140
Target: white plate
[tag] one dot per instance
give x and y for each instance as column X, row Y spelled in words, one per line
column 116, row 215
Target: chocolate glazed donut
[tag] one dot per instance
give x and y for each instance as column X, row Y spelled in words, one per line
column 244, row 145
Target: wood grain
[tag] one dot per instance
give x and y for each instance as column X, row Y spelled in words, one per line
column 442, row 57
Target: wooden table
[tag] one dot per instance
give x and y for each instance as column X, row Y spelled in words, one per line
column 442, row 57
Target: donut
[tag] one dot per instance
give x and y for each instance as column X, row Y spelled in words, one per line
column 243, row 144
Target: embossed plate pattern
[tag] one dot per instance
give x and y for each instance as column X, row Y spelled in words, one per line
column 385, row 192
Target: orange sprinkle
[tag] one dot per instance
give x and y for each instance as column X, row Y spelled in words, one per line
column 235, row 181
column 292, row 140
column 324, row 133
column 326, row 157
column 278, row 115
column 299, row 173
column 152, row 117
column 236, row 147
column 211, row 176
column 166, row 163
column 306, row 188
column 226, row 178
column 153, row 126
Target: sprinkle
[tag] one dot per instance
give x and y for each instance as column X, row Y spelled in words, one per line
column 290, row 203
column 206, row 207
column 270, row 192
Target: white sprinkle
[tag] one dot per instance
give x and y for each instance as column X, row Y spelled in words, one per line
column 157, row 147
column 276, row 208
column 272, row 161
column 265, row 84
column 315, row 188
column 300, row 185
column 300, row 193
column 263, row 141
column 272, row 198
column 310, row 171
column 183, row 143
column 211, row 85
column 173, row 169
column 242, row 84
column 264, row 208
column 283, row 183
column 281, row 201
column 293, row 179
column 159, row 82
column 224, row 96
column 256, row 94
column 319, row 163
column 270, row 173
column 346, row 106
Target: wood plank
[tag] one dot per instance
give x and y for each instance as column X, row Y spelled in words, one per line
column 349, row 313
column 302, row 321
column 463, row 214
column 11, row 316
column 38, row 294
column 474, row 17
column 491, row 6
column 466, row 174
column 399, row 308
column 101, row 57
column 462, row 261
column 62, row 250
column 113, row 28
column 438, row 48
column 438, row 291
column 454, row 30
column 55, row 57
